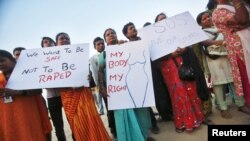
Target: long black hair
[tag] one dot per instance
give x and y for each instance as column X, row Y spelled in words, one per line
column 6, row 54
column 48, row 38
column 211, row 4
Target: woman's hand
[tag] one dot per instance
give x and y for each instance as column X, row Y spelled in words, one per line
column 219, row 42
column 178, row 51
column 10, row 92
column 103, row 91
column 122, row 41
column 77, row 88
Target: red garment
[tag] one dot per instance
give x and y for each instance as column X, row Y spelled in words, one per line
column 245, row 81
column 221, row 18
column 25, row 119
column 187, row 106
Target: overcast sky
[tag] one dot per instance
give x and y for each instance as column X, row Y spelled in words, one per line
column 25, row 22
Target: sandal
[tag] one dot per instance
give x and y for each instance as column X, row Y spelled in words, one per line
column 150, row 139
column 225, row 114
column 244, row 109
column 208, row 122
column 155, row 130
column 179, row 130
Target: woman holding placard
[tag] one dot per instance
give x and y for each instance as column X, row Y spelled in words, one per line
column 23, row 115
column 54, row 100
column 80, row 108
column 187, row 109
column 131, row 124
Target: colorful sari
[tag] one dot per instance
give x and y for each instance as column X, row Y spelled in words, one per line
column 24, row 119
column 131, row 124
column 187, row 106
column 82, row 115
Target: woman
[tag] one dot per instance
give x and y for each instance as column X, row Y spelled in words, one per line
column 187, row 106
column 232, row 19
column 131, row 124
column 80, row 109
column 187, row 109
column 216, row 63
column 23, row 115
column 161, row 16
column 54, row 100
column 162, row 98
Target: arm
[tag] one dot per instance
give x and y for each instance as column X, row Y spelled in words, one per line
column 101, row 74
column 101, row 81
column 11, row 92
column 178, row 52
column 212, row 42
column 241, row 13
column 94, row 68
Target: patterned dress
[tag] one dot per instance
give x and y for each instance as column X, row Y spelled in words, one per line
column 222, row 18
column 187, row 106
column 234, row 47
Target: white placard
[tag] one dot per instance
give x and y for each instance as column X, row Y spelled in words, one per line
column 60, row 66
column 129, row 77
column 165, row 36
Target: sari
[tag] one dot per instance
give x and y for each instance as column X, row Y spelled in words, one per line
column 82, row 115
column 24, row 119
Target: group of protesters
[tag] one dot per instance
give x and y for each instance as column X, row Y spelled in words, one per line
column 222, row 61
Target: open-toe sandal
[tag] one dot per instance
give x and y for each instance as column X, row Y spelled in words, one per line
column 225, row 114
column 244, row 109
column 179, row 130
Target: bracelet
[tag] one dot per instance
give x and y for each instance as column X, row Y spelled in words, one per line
column 238, row 5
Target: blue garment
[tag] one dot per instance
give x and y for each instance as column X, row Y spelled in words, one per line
column 132, row 124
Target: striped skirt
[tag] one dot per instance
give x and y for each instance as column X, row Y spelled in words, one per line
column 82, row 115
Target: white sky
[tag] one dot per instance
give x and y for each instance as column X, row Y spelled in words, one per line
column 25, row 22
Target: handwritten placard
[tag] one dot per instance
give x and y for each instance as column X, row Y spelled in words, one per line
column 129, row 77
column 165, row 36
column 60, row 66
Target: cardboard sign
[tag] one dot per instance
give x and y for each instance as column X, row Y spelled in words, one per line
column 59, row 66
column 165, row 36
column 129, row 77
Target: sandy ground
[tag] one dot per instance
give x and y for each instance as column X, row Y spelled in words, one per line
column 167, row 129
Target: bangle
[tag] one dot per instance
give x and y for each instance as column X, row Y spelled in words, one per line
column 238, row 5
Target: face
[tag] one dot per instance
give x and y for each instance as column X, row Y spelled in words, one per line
column 99, row 46
column 161, row 17
column 6, row 65
column 111, row 37
column 132, row 32
column 48, row 43
column 17, row 54
column 206, row 20
column 63, row 39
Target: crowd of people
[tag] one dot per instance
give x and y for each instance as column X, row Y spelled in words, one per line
column 222, row 60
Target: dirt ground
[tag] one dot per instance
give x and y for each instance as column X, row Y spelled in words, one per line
column 167, row 129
